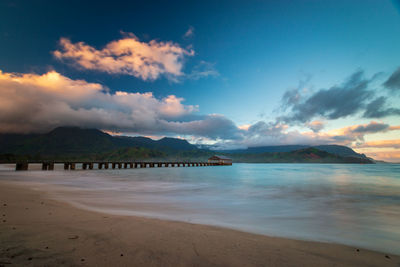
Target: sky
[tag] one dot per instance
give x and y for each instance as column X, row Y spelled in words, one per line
column 232, row 74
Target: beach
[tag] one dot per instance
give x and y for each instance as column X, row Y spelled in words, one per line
column 38, row 231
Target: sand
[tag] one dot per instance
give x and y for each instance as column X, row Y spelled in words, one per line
column 38, row 231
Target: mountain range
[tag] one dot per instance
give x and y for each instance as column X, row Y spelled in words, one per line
column 334, row 149
column 73, row 143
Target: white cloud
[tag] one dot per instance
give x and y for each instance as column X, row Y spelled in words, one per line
column 32, row 103
column 129, row 55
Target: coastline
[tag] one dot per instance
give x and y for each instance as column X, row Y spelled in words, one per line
column 38, row 231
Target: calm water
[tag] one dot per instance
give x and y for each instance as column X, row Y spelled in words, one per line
column 357, row 205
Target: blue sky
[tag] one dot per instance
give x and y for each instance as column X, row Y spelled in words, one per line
column 248, row 55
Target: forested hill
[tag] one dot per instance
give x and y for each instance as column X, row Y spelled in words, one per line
column 72, row 140
column 334, row 149
column 72, row 143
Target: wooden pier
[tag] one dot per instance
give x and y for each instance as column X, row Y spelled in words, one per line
column 49, row 166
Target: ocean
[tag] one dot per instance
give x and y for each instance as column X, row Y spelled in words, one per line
column 352, row 204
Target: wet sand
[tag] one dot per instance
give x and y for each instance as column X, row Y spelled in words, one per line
column 38, row 231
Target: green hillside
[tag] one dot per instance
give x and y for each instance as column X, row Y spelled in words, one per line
column 76, row 144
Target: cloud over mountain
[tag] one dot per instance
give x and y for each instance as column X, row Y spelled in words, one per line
column 37, row 103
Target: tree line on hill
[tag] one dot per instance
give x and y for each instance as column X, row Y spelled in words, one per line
column 76, row 144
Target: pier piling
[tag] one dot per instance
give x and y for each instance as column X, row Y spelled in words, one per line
column 49, row 166
column 21, row 166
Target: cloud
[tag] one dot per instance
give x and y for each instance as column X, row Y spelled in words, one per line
column 355, row 133
column 290, row 98
column 377, row 109
column 172, row 107
column 352, row 97
column 393, row 82
column 189, row 33
column 128, row 55
column 381, row 144
column 387, row 150
column 372, row 127
column 264, row 133
column 393, row 128
column 269, row 134
column 39, row 103
column 388, row 155
column 212, row 126
column 244, row 127
column 293, row 96
column 333, row 103
column 202, row 70
column 316, row 126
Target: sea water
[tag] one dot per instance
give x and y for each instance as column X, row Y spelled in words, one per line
column 357, row 205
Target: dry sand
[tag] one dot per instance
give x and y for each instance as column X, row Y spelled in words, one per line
column 37, row 231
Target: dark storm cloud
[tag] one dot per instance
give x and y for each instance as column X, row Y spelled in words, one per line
column 333, row 103
column 293, row 96
column 393, row 82
column 372, row 127
column 351, row 97
column 290, row 98
column 376, row 109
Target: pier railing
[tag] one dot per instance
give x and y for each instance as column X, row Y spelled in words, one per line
column 98, row 165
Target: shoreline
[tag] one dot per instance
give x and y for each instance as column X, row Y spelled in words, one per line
column 37, row 231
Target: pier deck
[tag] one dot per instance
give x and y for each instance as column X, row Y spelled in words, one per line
column 98, row 165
